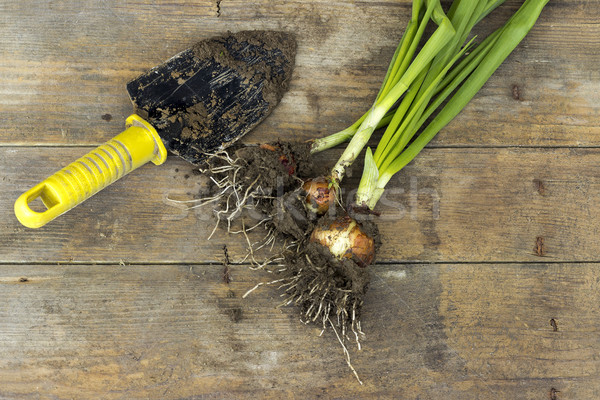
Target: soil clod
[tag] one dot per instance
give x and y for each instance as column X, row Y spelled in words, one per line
column 539, row 249
column 235, row 314
column 226, row 271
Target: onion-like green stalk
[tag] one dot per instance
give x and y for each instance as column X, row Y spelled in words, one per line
column 343, row 136
column 398, row 65
column 468, row 76
column 444, row 33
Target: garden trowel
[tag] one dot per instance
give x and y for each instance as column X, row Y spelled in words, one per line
column 196, row 103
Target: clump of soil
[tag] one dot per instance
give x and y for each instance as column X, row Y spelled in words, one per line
column 326, row 288
column 329, row 291
column 262, row 61
column 277, row 167
column 260, row 185
column 268, row 179
column 290, row 216
column 244, row 52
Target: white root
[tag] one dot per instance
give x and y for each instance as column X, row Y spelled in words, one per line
column 233, row 195
column 259, row 285
column 346, row 353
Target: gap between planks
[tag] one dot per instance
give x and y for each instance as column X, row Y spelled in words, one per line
column 216, row 264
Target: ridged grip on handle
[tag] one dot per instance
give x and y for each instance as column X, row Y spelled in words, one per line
column 70, row 186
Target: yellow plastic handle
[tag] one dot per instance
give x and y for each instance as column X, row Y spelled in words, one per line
column 78, row 181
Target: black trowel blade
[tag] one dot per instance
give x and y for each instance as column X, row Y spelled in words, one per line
column 205, row 98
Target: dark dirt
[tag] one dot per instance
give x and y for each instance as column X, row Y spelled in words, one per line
column 347, row 274
column 272, row 77
column 271, row 172
column 226, row 271
column 282, row 168
column 275, row 84
column 539, row 248
column 290, row 216
column 269, row 40
column 276, row 167
column 516, row 93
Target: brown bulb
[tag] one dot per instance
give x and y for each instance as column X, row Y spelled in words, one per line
column 319, row 196
column 344, row 239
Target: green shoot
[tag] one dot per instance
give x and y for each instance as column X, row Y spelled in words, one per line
column 465, row 79
column 436, row 43
column 398, row 65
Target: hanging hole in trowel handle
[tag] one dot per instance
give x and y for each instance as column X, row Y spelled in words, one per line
column 38, row 205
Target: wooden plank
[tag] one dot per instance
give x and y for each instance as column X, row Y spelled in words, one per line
column 449, row 205
column 463, row 331
column 64, row 67
column 156, row 320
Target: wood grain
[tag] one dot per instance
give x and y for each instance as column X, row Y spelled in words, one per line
column 64, row 65
column 487, row 284
column 465, row 205
column 166, row 331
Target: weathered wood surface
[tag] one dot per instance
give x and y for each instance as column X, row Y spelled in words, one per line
column 151, row 332
column 467, row 205
column 461, row 302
